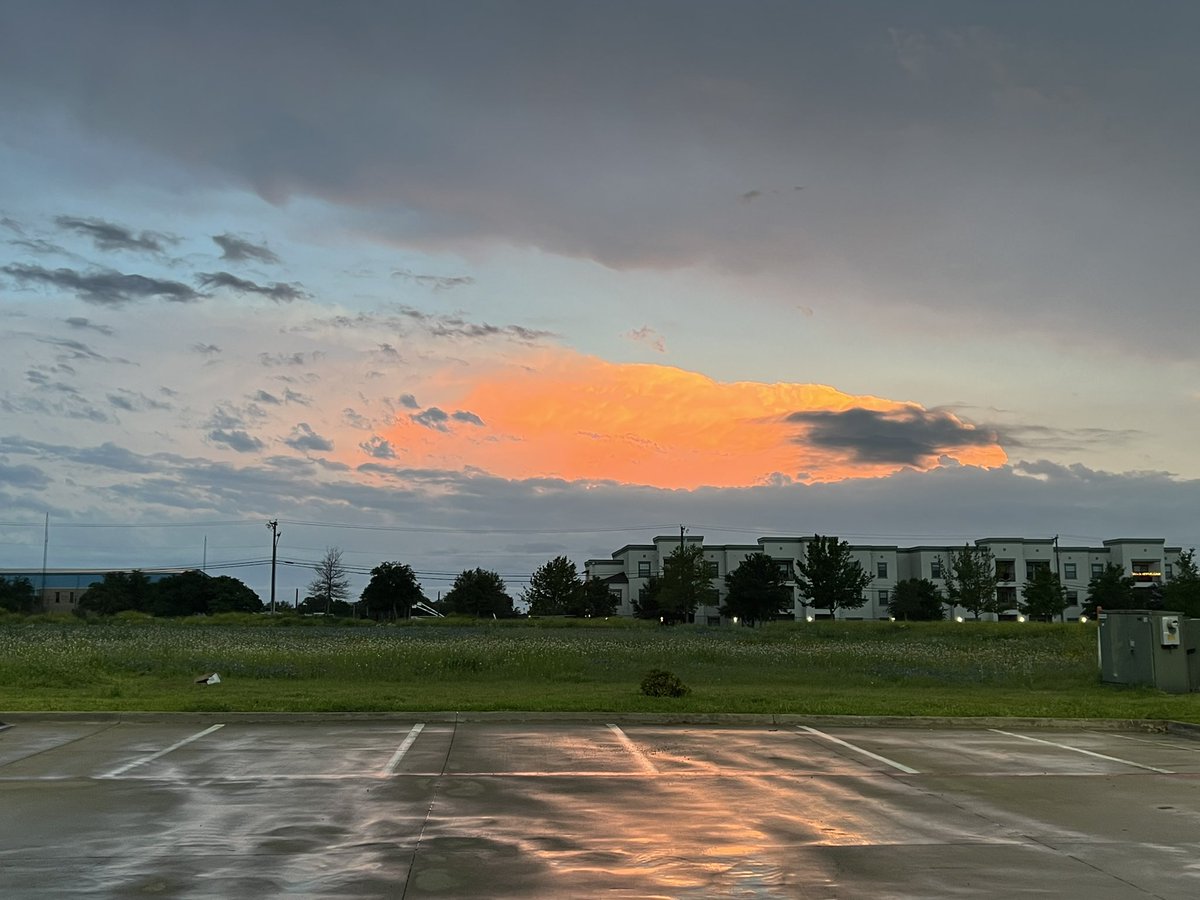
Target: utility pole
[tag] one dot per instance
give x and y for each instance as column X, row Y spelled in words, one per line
column 274, row 526
column 45, row 556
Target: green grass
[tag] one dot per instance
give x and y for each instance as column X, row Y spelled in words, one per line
column 822, row 668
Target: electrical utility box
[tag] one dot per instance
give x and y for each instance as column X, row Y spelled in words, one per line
column 1155, row 648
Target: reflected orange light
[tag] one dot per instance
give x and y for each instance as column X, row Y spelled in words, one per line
column 564, row 415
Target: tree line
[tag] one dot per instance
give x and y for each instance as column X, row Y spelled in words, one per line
column 757, row 590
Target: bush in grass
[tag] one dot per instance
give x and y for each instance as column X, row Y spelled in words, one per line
column 661, row 683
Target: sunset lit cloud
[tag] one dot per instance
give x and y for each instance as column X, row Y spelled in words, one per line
column 560, row 414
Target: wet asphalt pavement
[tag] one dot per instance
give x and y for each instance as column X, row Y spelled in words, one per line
column 424, row 809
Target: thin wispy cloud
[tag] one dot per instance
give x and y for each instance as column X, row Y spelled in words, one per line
column 109, row 236
column 103, row 287
column 237, row 249
column 277, row 291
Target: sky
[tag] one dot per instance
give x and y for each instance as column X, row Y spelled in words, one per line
column 484, row 283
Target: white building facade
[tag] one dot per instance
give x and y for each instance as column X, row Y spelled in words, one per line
column 1147, row 560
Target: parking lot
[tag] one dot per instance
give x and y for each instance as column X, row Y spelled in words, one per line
column 413, row 808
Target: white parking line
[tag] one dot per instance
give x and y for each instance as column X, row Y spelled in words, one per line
column 635, row 751
column 121, row 770
column 1116, row 759
column 883, row 759
column 390, row 768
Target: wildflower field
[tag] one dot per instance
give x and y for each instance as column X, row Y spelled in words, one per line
column 860, row 668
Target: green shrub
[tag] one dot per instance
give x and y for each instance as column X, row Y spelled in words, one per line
column 661, row 683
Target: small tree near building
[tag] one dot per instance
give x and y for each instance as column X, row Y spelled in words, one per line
column 830, row 576
column 553, row 589
column 1044, row 596
column 1111, row 589
column 595, row 600
column 327, row 592
column 17, row 595
column 479, row 593
column 391, row 592
column 756, row 590
column 684, row 584
column 971, row 580
column 119, row 592
column 1182, row 590
column 916, row 600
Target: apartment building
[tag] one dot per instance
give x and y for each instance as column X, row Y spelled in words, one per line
column 1148, row 560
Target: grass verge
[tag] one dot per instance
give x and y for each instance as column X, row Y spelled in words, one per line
column 824, row 668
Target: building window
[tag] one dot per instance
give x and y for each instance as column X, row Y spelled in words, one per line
column 785, row 569
column 935, row 569
column 1072, row 598
column 644, row 568
column 1170, row 572
column 1032, row 567
column 1097, row 569
column 881, row 569
column 1006, row 598
column 883, row 598
column 1069, row 570
column 616, row 595
column 1006, row 570
column 1145, row 571
column 712, row 567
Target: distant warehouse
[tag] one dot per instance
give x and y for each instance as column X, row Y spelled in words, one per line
column 59, row 590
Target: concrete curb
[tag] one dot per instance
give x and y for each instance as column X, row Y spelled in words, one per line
column 549, row 718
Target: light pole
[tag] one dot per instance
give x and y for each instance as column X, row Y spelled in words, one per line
column 274, row 526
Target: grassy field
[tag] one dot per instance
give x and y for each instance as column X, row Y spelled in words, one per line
column 825, row 668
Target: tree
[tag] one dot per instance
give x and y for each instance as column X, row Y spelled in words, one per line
column 595, row 600
column 553, row 589
column 684, row 584
column 118, row 592
column 1044, row 596
column 1111, row 589
column 195, row 593
column 756, row 590
column 477, row 592
column 331, row 586
column 830, row 576
column 971, row 580
column 391, row 592
column 17, row 595
column 916, row 599
column 1182, row 590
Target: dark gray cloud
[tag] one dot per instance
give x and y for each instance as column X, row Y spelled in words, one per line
column 355, row 419
column 277, row 291
column 304, row 438
column 236, row 249
column 88, row 324
column 24, row 476
column 378, row 448
column 436, row 282
column 42, row 247
column 434, row 418
column 70, row 349
column 408, row 401
column 641, row 162
column 236, row 439
column 911, row 437
column 104, row 287
column 11, row 224
column 453, row 326
column 108, row 236
column 136, row 401
column 470, row 418
column 264, row 397
column 272, row 360
column 206, row 349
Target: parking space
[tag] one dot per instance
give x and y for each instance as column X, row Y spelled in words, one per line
column 443, row 809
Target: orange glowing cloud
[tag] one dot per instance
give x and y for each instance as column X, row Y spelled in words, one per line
column 560, row 414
